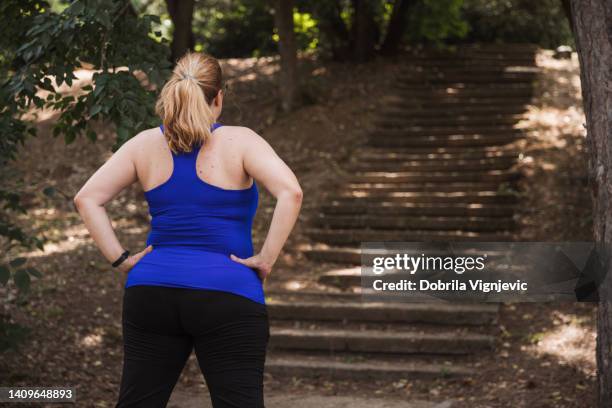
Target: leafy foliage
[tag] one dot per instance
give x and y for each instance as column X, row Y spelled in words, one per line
column 433, row 21
column 520, row 21
column 235, row 29
column 41, row 51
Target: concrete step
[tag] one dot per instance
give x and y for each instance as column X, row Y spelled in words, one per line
column 451, row 101
column 424, row 89
column 394, row 122
column 327, row 307
column 406, row 138
column 434, row 112
column 353, row 237
column 380, row 341
column 336, row 368
column 417, row 209
column 427, row 198
column 451, row 79
column 371, row 154
column 377, row 222
column 435, row 165
column 447, row 130
column 434, row 177
column 478, row 69
column 497, row 60
column 339, row 255
column 369, row 189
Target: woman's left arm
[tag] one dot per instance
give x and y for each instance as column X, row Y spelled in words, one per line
column 109, row 180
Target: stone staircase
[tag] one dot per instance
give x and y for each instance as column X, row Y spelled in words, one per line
column 439, row 164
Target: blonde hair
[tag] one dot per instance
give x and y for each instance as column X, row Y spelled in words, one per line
column 184, row 101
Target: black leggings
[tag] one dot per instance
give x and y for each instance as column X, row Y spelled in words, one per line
column 162, row 325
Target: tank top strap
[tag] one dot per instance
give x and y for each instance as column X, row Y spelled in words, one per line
column 184, row 163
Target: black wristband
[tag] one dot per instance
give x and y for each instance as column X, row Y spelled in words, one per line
column 122, row 258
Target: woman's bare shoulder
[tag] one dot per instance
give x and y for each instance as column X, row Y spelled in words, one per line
column 240, row 134
column 145, row 141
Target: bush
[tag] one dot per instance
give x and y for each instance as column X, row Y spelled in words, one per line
column 540, row 22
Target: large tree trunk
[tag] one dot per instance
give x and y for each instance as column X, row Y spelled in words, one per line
column 396, row 28
column 332, row 27
column 364, row 31
column 181, row 13
column 592, row 23
column 283, row 16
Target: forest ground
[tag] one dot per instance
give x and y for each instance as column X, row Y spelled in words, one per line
column 545, row 352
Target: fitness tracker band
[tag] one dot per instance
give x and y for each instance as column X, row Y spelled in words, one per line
column 122, row 258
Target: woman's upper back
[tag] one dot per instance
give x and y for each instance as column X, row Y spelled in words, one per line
column 219, row 162
column 203, row 198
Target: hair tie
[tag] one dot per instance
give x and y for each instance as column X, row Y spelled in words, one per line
column 186, row 76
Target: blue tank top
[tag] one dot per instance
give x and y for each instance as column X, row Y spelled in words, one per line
column 195, row 226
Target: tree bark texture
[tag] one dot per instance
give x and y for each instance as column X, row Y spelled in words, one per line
column 592, row 24
column 332, row 27
column 283, row 16
column 364, row 31
column 396, row 28
column 181, row 13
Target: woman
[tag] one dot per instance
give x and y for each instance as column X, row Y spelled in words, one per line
column 197, row 284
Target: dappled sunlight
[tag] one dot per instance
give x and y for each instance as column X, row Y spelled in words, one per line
column 295, row 285
column 92, row 340
column 570, row 343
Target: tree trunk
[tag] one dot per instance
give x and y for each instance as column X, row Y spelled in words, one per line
column 364, row 31
column 396, row 28
column 332, row 27
column 181, row 13
column 283, row 16
column 592, row 22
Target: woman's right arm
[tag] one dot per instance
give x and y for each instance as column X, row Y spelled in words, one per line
column 263, row 164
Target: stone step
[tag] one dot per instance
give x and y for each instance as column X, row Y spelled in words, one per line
column 336, row 368
column 434, row 153
column 405, row 138
column 353, row 237
column 479, row 69
column 378, row 222
column 428, row 198
column 367, row 189
column 327, row 307
column 380, row 341
column 445, row 61
column 434, row 177
column 406, row 209
column 475, row 79
column 494, row 163
column 392, row 122
column 340, row 255
column 448, row 130
column 435, row 112
column 451, row 101
column 427, row 87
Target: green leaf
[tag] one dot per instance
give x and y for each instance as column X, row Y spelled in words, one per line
column 5, row 274
column 22, row 280
column 34, row 272
column 94, row 110
column 122, row 133
column 49, row 191
column 17, row 262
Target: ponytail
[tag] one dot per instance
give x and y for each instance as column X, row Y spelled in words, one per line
column 184, row 101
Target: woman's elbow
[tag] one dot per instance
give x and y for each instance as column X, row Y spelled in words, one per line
column 293, row 194
column 78, row 201
column 81, row 201
column 298, row 195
